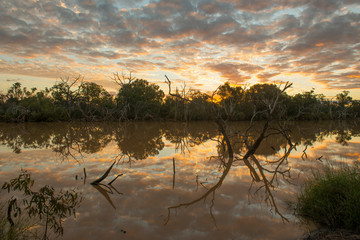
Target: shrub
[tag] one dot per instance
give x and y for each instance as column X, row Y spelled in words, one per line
column 332, row 199
column 47, row 205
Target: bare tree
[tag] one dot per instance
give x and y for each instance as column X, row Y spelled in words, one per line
column 67, row 93
column 271, row 126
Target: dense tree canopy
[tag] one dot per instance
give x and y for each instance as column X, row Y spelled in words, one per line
column 137, row 99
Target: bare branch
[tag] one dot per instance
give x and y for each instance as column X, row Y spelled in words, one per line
column 123, row 79
column 257, row 175
column 97, row 181
column 175, row 95
column 115, row 179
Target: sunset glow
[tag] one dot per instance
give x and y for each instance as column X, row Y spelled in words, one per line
column 203, row 43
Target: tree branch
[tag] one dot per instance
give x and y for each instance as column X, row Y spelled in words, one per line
column 97, row 181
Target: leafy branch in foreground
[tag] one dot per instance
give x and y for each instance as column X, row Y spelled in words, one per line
column 49, row 206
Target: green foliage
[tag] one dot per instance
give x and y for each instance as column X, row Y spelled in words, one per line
column 199, row 108
column 344, row 101
column 49, row 206
column 233, row 104
column 138, row 100
column 262, row 98
column 331, row 199
column 95, row 102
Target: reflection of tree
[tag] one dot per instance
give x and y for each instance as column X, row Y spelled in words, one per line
column 345, row 132
column 22, row 136
column 185, row 135
column 67, row 139
column 343, row 137
column 266, row 175
column 81, row 138
column 138, row 141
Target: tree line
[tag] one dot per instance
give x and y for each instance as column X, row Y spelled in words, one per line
column 138, row 99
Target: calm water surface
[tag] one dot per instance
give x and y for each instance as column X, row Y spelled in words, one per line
column 174, row 183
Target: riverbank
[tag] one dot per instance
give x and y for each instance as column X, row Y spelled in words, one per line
column 325, row 234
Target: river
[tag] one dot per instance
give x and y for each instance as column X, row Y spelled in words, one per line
column 174, row 182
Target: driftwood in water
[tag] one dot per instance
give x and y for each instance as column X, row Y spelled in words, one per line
column 105, row 190
column 97, row 181
column 115, row 179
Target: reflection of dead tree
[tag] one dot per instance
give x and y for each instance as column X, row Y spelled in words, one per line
column 182, row 143
column 184, row 137
column 304, row 155
column 174, row 172
column 125, row 158
column 257, row 171
column 68, row 145
column 207, row 193
column 250, row 154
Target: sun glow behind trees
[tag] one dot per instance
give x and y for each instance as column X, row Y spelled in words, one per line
column 137, row 99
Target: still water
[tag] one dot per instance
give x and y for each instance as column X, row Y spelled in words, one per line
column 175, row 182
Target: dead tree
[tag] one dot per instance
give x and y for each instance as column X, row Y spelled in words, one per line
column 257, row 171
column 67, row 93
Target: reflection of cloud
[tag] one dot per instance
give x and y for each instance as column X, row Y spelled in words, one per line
column 348, row 153
column 147, row 185
column 147, row 192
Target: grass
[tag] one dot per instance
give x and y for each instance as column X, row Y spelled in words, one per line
column 20, row 231
column 331, row 199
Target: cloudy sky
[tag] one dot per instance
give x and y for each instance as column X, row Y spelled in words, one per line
column 202, row 43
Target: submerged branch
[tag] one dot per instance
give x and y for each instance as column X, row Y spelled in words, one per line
column 97, row 181
column 115, row 178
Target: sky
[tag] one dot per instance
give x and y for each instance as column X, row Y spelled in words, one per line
column 199, row 44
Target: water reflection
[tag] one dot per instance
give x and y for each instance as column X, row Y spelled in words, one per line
column 185, row 135
column 182, row 169
column 141, row 140
column 249, row 141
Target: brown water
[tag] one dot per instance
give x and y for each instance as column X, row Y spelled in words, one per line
column 169, row 173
